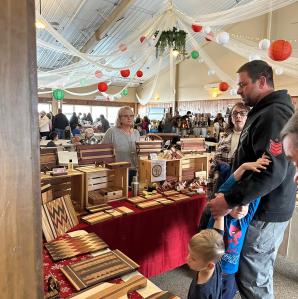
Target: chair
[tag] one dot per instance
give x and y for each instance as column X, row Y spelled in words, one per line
column 48, row 159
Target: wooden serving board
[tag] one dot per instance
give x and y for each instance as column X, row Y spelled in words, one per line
column 170, row 192
column 115, row 165
column 163, row 295
column 137, row 199
column 115, row 291
column 178, row 197
column 114, row 212
column 98, row 208
column 125, row 210
column 165, row 201
column 153, row 196
column 71, row 247
column 148, row 204
column 96, row 218
column 99, row 269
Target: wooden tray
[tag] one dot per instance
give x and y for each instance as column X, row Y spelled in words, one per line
column 71, row 247
column 101, row 268
column 148, row 204
column 96, row 217
column 98, row 208
column 137, row 199
column 179, row 197
column 165, row 201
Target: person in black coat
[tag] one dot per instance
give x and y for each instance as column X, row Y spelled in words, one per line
column 60, row 123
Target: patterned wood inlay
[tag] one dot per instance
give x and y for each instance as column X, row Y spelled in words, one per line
column 67, row 248
column 58, row 216
column 101, row 268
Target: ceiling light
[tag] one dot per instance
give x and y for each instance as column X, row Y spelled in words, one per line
column 39, row 25
column 175, row 52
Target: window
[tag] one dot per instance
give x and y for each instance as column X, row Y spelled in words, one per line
column 112, row 114
column 97, row 111
column 67, row 110
column 46, row 107
column 155, row 113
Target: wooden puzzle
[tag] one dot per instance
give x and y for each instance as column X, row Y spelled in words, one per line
column 98, row 269
column 67, row 248
column 58, row 216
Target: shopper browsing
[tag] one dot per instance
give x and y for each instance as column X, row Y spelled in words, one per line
column 261, row 133
column 205, row 251
column 235, row 226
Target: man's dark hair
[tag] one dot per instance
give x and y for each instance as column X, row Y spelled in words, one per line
column 257, row 68
column 291, row 128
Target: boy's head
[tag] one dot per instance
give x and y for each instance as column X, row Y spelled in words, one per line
column 239, row 211
column 205, row 249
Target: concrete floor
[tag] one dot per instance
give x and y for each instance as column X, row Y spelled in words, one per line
column 285, row 280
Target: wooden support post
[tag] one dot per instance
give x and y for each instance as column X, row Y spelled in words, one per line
column 20, row 203
column 176, row 88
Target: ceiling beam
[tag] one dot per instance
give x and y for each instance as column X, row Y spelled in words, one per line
column 117, row 13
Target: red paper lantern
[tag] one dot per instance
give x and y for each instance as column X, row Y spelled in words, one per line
column 125, row 73
column 223, row 86
column 196, row 27
column 102, row 86
column 280, row 50
column 142, row 38
column 139, row 73
column 209, row 36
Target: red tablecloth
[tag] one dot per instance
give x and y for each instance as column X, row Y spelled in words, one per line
column 156, row 238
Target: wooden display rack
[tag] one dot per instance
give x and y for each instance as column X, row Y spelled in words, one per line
column 70, row 183
column 101, row 178
column 182, row 169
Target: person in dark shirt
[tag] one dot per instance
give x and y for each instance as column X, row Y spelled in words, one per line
column 60, row 123
column 105, row 125
column 205, row 251
column 74, row 121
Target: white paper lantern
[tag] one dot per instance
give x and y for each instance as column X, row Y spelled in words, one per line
column 206, row 29
column 279, row 71
column 200, row 60
column 264, row 44
column 233, row 92
column 102, row 61
column 211, row 72
column 252, row 57
column 223, row 38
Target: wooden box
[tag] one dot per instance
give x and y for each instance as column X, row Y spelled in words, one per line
column 95, row 153
column 193, row 145
column 179, row 169
column 111, row 184
column 148, row 147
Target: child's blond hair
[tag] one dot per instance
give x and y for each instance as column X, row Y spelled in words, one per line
column 208, row 244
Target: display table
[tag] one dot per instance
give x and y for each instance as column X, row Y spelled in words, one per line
column 155, row 238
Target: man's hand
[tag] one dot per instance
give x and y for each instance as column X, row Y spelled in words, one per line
column 219, row 206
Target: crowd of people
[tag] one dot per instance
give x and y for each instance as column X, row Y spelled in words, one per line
column 251, row 189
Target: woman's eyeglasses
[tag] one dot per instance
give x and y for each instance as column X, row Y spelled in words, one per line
column 241, row 113
column 127, row 115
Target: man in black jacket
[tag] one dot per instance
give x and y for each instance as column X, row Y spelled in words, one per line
column 261, row 134
column 60, row 123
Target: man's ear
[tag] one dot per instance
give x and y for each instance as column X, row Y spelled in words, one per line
column 211, row 265
column 262, row 82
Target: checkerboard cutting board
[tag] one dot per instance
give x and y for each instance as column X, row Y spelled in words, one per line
column 67, row 248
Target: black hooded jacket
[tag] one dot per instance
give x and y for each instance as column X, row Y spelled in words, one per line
column 261, row 134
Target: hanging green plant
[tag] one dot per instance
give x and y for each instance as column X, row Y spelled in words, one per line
column 173, row 39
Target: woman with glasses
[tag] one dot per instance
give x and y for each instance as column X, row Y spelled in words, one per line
column 220, row 166
column 123, row 136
